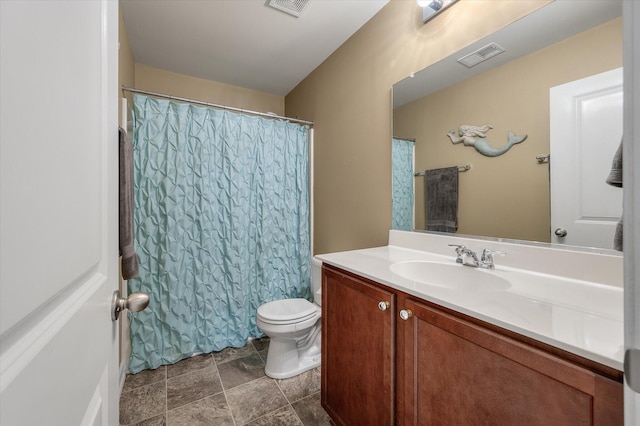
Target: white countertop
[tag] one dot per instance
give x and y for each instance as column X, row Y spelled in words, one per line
column 581, row 317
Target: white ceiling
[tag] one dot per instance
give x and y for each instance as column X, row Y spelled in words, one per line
column 241, row 42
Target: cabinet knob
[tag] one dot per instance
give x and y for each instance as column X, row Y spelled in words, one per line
column 383, row 306
column 405, row 314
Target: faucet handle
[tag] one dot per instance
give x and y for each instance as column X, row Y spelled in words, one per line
column 487, row 254
column 459, row 251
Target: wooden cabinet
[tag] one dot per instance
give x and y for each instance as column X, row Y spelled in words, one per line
column 440, row 367
column 358, row 348
column 456, row 372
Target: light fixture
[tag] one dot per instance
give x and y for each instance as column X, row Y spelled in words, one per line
column 431, row 8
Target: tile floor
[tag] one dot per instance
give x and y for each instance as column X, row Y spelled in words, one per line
column 222, row 388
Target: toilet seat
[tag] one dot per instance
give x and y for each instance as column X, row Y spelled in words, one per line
column 287, row 311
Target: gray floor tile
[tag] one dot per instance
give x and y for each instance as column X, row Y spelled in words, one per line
column 211, row 411
column 261, row 344
column 284, row 416
column 192, row 391
column 192, row 386
column 311, row 412
column 241, row 370
column 230, row 354
column 190, row 364
column 145, row 377
column 154, row 421
column 255, row 399
column 142, row 403
column 301, row 386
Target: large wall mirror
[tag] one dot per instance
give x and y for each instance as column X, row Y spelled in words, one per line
column 526, row 89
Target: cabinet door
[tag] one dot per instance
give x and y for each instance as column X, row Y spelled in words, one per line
column 457, row 373
column 357, row 351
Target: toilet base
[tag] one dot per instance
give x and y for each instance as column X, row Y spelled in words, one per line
column 285, row 359
column 305, row 364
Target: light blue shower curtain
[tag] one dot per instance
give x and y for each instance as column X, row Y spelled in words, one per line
column 402, row 152
column 222, row 226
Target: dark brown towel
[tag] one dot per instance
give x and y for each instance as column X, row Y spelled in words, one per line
column 441, row 199
column 126, row 204
column 615, row 179
column 615, row 176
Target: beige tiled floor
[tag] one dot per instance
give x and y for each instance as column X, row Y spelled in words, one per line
column 222, row 388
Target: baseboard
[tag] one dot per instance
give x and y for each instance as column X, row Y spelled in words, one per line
column 124, row 367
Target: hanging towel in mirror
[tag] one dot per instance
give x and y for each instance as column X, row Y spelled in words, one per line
column 126, row 204
column 615, row 179
column 441, row 199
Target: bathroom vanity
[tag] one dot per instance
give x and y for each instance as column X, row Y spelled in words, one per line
column 517, row 346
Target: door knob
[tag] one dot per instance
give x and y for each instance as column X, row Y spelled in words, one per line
column 383, row 306
column 560, row 232
column 136, row 302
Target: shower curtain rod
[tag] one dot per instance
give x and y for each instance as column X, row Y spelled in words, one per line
column 192, row 101
column 405, row 139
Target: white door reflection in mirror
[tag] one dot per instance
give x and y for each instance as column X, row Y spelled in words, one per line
column 402, row 161
column 586, row 130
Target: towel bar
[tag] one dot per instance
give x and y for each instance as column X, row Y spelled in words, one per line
column 464, row 168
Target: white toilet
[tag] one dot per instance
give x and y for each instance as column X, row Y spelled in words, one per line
column 293, row 326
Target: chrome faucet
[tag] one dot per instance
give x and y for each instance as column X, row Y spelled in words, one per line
column 468, row 257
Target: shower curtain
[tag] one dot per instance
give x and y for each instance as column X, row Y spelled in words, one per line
column 222, row 226
column 402, row 152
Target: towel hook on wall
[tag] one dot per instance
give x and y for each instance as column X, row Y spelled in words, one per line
column 543, row 159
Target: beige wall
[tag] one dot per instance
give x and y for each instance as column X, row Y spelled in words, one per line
column 506, row 196
column 126, row 64
column 349, row 98
column 185, row 86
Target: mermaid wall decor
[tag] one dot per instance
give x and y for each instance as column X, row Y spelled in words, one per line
column 475, row 136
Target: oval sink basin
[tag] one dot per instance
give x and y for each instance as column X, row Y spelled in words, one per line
column 450, row 275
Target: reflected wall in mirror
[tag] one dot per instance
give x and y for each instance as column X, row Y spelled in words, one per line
column 506, row 196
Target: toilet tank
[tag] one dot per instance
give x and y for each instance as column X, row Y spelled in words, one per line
column 316, row 280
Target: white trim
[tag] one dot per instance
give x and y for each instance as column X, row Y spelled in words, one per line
column 124, row 368
column 109, row 208
column 124, row 115
column 21, row 353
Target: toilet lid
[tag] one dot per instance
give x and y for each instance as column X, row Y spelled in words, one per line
column 287, row 310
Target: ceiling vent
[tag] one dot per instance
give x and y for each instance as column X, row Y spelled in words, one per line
column 481, row 55
column 292, row 7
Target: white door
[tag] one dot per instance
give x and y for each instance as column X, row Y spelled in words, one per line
column 586, row 130
column 631, row 37
column 58, row 212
